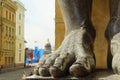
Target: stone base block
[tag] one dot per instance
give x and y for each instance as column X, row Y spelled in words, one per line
column 96, row 75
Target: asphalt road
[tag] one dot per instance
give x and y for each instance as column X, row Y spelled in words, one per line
column 15, row 74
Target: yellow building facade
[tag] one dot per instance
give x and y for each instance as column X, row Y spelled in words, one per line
column 100, row 18
column 20, row 45
column 59, row 26
column 7, row 33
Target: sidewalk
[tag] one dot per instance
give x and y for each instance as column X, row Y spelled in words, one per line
column 11, row 69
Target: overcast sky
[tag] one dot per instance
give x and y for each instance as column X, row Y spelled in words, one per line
column 39, row 22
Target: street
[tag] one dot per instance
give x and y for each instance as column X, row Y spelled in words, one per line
column 15, row 74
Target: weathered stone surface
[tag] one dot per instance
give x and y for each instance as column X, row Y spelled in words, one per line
column 97, row 75
column 115, row 50
column 100, row 18
column 73, row 48
column 77, row 44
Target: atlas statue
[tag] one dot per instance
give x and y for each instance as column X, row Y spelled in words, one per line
column 76, row 56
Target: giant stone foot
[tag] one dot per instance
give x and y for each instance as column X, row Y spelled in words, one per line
column 74, row 54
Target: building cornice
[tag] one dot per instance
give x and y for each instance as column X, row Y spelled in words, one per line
column 11, row 4
column 20, row 4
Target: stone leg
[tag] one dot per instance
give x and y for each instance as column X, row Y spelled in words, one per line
column 113, row 34
column 76, row 14
column 76, row 50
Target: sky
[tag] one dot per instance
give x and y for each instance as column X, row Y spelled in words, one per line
column 39, row 22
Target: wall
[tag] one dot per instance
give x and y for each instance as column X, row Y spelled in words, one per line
column 8, row 33
column 20, row 45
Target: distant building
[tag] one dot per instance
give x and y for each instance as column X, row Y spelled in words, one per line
column 47, row 48
column 48, row 45
column 7, row 33
column 20, row 45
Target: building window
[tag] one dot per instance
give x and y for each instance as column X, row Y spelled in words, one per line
column 12, row 32
column 9, row 60
column 19, row 16
column 12, row 59
column 20, row 56
column 6, row 14
column 9, row 31
column 20, row 46
column 2, row 29
column 13, row 17
column 6, row 30
column 9, row 15
column 12, row 46
column 6, row 45
column 19, row 30
column 5, row 60
column 9, row 46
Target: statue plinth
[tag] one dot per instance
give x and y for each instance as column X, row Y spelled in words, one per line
column 103, row 74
